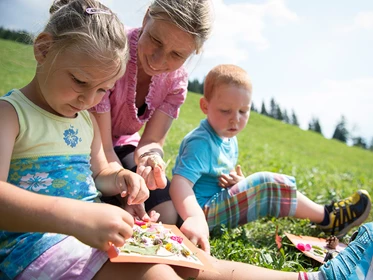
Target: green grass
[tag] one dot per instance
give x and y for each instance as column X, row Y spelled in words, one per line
column 324, row 169
column 17, row 65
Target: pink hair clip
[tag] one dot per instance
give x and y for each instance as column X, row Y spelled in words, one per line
column 93, row 11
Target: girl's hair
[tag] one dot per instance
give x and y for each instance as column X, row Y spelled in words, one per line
column 89, row 27
column 192, row 16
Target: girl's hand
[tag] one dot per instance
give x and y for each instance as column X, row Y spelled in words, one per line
column 138, row 212
column 228, row 180
column 197, row 231
column 152, row 168
column 100, row 224
column 133, row 185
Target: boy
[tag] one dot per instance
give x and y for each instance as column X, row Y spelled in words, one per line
column 207, row 193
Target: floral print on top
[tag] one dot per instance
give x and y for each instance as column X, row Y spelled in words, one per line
column 51, row 156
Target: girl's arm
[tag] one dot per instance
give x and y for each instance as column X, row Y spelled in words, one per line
column 151, row 165
column 112, row 181
column 25, row 211
column 104, row 124
column 195, row 226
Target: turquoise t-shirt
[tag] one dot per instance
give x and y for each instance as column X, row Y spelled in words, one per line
column 51, row 156
column 203, row 157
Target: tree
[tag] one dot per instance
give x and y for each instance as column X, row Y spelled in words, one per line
column 359, row 142
column 278, row 115
column 195, row 86
column 341, row 133
column 294, row 119
column 286, row 118
column 253, row 108
column 273, row 108
column 264, row 111
column 314, row 125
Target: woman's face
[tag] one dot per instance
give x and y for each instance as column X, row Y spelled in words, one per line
column 163, row 47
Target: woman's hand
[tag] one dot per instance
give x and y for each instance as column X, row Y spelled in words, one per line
column 197, row 231
column 228, row 180
column 151, row 167
column 100, row 224
column 132, row 185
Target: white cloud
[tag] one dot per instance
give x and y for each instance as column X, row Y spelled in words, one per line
column 363, row 20
column 237, row 28
column 350, row 98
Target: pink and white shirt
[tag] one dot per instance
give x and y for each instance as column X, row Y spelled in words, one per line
column 167, row 92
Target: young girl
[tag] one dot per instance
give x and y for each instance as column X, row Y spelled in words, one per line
column 151, row 92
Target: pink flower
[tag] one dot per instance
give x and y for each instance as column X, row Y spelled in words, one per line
column 304, row 247
column 178, row 239
column 139, row 223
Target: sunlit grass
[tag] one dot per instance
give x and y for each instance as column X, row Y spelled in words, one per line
column 324, row 169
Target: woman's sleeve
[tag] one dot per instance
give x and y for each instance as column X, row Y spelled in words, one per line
column 177, row 91
column 103, row 106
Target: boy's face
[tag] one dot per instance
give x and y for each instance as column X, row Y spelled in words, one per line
column 228, row 109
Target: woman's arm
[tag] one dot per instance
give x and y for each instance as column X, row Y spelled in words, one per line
column 112, row 181
column 151, row 165
column 154, row 134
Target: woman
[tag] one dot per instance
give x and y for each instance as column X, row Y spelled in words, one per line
column 151, row 93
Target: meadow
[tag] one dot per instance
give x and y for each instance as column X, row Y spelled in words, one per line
column 324, row 169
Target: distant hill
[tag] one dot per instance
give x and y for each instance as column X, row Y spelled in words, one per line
column 324, row 169
column 17, row 65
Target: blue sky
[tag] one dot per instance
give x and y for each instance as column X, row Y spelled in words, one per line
column 312, row 56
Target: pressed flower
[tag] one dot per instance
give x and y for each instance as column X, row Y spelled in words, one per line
column 178, row 239
column 139, row 223
column 185, row 252
column 168, row 247
column 304, row 247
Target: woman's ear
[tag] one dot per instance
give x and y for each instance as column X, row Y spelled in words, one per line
column 203, row 103
column 42, row 46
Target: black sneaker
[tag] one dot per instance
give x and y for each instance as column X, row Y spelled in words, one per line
column 347, row 213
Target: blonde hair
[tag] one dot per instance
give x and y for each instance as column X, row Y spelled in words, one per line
column 89, row 27
column 191, row 16
column 226, row 74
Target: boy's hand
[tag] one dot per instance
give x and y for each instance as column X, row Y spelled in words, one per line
column 228, row 180
column 132, row 185
column 152, row 169
column 197, row 231
column 110, row 225
column 138, row 212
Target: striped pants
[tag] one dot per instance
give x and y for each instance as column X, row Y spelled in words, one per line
column 260, row 195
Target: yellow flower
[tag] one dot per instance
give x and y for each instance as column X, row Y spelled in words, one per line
column 168, row 246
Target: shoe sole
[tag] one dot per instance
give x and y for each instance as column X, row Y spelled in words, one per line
column 359, row 221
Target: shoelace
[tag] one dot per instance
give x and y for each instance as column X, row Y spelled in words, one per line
column 342, row 214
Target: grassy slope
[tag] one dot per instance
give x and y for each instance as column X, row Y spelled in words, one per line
column 17, row 65
column 324, row 169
